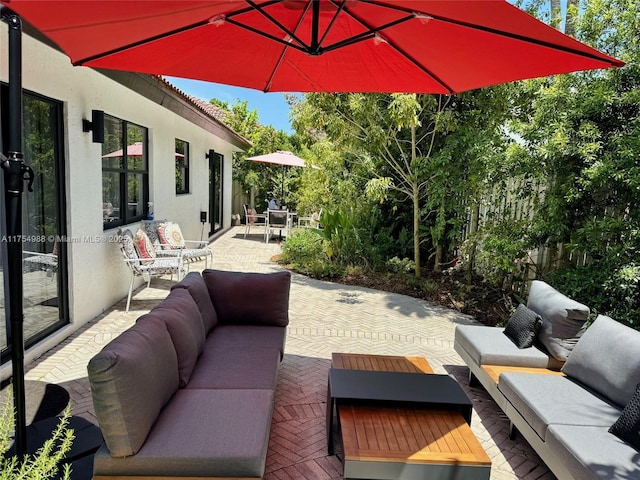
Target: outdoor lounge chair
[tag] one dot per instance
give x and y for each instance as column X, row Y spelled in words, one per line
column 277, row 221
column 167, row 240
column 312, row 221
column 139, row 256
column 253, row 218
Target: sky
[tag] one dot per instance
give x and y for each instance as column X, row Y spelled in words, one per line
column 272, row 107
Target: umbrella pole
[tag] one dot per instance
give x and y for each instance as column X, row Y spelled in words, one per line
column 15, row 172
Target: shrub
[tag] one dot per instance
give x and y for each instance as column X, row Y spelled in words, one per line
column 404, row 265
column 45, row 462
column 606, row 288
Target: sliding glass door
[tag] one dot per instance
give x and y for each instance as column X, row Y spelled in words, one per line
column 44, row 254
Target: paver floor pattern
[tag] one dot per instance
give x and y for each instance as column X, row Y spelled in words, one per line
column 324, row 318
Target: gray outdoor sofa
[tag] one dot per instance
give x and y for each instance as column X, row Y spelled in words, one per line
column 189, row 390
column 565, row 416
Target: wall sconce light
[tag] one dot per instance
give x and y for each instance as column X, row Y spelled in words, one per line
column 210, row 155
column 96, row 125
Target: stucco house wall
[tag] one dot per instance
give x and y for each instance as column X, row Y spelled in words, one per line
column 98, row 277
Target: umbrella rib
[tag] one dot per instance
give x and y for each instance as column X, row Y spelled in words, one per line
column 284, row 51
column 267, row 35
column 273, row 20
column 404, row 54
column 370, row 33
column 495, row 31
column 339, row 9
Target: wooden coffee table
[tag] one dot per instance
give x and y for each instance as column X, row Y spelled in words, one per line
column 405, row 442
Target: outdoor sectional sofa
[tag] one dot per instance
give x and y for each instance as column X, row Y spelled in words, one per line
column 565, row 403
column 188, row 391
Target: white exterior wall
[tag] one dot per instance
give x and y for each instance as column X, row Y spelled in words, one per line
column 98, row 277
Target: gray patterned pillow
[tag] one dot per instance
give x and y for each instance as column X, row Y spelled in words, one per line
column 523, row 326
column 627, row 427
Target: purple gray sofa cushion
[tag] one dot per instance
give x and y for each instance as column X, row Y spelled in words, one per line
column 544, row 400
column 607, row 359
column 195, row 285
column 202, row 433
column 563, row 319
column 233, row 367
column 249, row 298
column 247, row 336
column 181, row 315
column 132, row 379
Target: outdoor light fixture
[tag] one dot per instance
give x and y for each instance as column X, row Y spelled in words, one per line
column 96, row 125
column 210, row 155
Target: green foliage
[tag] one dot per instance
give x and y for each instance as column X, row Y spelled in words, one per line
column 45, row 462
column 305, row 250
column 606, row 287
column 400, row 265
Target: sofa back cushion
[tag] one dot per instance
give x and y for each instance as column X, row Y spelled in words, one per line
column 563, row 319
column 131, row 379
column 249, row 298
column 180, row 314
column 607, row 360
column 196, row 287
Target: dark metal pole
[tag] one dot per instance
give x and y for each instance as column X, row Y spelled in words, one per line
column 14, row 175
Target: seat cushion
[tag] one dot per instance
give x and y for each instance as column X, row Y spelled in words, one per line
column 195, row 285
column 131, row 379
column 490, row 346
column 591, row 453
column 247, row 336
column 249, row 298
column 236, row 367
column 202, row 433
column 180, row 314
column 563, row 319
column 550, row 399
column 607, row 359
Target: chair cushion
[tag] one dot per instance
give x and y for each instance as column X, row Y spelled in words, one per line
column 247, row 337
column 131, row 379
column 126, row 237
column 607, row 359
column 591, row 453
column 196, row 287
column 522, row 328
column 180, row 314
column 170, row 235
column 269, row 294
column 143, row 245
column 563, row 319
column 552, row 399
column 490, row 346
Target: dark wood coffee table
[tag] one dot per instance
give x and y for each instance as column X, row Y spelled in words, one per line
column 422, row 437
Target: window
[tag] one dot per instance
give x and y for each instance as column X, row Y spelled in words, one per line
column 182, row 166
column 125, row 174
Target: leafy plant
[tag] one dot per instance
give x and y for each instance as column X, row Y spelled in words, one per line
column 45, row 462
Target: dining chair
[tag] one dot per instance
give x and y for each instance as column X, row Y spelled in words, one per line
column 277, row 220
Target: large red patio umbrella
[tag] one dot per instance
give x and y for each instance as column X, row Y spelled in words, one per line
column 281, row 157
column 424, row 46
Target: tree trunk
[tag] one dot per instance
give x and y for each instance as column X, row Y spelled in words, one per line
column 416, row 231
column 252, row 197
column 473, row 228
column 556, row 14
column 416, row 209
column 571, row 17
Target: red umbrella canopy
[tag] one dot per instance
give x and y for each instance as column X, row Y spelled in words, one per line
column 424, row 46
column 281, row 157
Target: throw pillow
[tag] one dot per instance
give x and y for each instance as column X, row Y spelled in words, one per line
column 252, row 215
column 563, row 319
column 229, row 292
column 143, row 245
column 523, row 326
column 126, row 237
column 170, row 235
column 627, row 427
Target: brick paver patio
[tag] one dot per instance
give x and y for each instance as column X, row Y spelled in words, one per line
column 324, row 317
